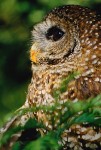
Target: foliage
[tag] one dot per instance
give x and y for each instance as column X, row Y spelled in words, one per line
column 89, row 113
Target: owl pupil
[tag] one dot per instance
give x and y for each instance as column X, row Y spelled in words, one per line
column 54, row 33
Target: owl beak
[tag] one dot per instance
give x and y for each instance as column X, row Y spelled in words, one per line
column 34, row 52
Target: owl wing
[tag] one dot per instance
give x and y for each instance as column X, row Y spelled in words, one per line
column 84, row 87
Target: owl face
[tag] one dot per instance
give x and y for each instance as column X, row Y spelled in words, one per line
column 55, row 40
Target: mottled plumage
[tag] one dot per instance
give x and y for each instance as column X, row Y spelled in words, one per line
column 68, row 40
column 78, row 50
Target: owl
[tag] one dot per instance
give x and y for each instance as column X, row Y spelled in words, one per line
column 67, row 40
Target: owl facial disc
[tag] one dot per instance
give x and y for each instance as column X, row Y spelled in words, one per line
column 57, row 41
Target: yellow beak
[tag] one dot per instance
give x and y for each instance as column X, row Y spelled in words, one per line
column 34, row 53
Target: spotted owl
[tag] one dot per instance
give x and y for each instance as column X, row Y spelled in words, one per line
column 67, row 41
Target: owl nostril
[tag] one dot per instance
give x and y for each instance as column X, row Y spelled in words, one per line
column 54, row 33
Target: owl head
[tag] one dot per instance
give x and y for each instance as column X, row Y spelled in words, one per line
column 55, row 39
column 67, row 34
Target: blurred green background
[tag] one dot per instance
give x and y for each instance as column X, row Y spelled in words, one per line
column 17, row 18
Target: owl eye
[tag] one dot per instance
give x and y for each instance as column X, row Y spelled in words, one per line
column 54, row 33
